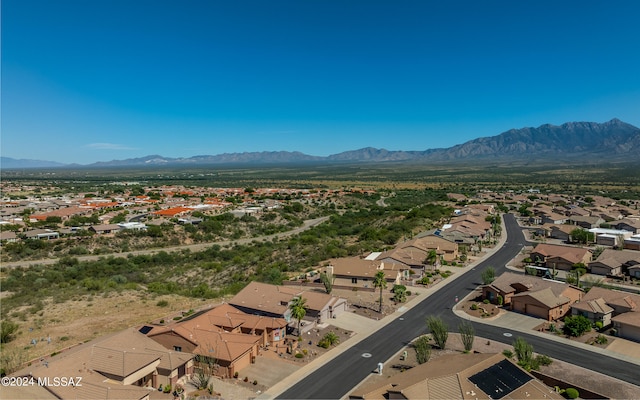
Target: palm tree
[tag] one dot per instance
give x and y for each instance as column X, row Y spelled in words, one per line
column 432, row 256
column 380, row 281
column 298, row 309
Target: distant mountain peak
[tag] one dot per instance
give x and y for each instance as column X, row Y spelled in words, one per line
column 607, row 141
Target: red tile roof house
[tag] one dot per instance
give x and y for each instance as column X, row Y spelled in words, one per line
column 228, row 337
column 531, row 295
column 273, row 300
column 127, row 365
column 614, row 262
column 560, row 257
column 173, row 212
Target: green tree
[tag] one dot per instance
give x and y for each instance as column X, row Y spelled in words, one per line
column 524, row 352
column 379, row 281
column 439, row 330
column 582, row 236
column 423, row 349
column 488, row 275
column 298, row 307
column 327, row 281
column 467, row 334
column 576, row 325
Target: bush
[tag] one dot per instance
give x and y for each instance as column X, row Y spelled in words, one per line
column 474, row 306
column 572, row 393
column 577, row 325
column 507, row 353
column 299, row 355
column 162, row 303
column 486, row 301
column 599, row 325
column 602, row 339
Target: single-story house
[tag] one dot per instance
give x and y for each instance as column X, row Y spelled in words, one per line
column 8, row 237
column 560, row 257
column 631, row 225
column 614, row 262
column 627, row 325
column 596, row 310
column 542, row 298
column 356, row 272
column 231, row 351
column 459, row 376
column 273, row 300
column 127, row 365
column 46, row 234
column 586, row 222
column 224, row 333
column 105, row 229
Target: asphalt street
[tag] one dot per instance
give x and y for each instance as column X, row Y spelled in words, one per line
column 339, row 376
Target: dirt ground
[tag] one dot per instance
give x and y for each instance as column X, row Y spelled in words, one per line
column 61, row 325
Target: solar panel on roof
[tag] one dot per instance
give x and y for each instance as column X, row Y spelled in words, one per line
column 500, row 379
column 145, row 329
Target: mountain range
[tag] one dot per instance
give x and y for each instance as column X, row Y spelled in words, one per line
column 610, row 141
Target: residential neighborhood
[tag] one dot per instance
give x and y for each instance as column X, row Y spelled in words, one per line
column 554, row 277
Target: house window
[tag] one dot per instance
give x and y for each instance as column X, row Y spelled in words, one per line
column 177, row 348
column 354, row 280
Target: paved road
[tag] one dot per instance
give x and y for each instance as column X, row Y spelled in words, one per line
column 193, row 247
column 339, row 376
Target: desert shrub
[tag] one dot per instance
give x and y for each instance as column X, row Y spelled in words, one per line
column 423, row 349
column 544, row 360
column 577, row 325
column 9, row 330
column 601, row 339
column 439, row 330
column 162, row 303
column 572, row 393
column 507, row 353
column 500, row 300
column 486, row 301
column 599, row 325
column 474, row 306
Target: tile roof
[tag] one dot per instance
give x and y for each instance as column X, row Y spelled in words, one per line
column 508, row 281
column 448, row 377
column 614, row 297
column 597, row 306
column 119, row 355
column 571, row 254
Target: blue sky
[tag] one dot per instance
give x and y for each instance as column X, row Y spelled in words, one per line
column 86, row 81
